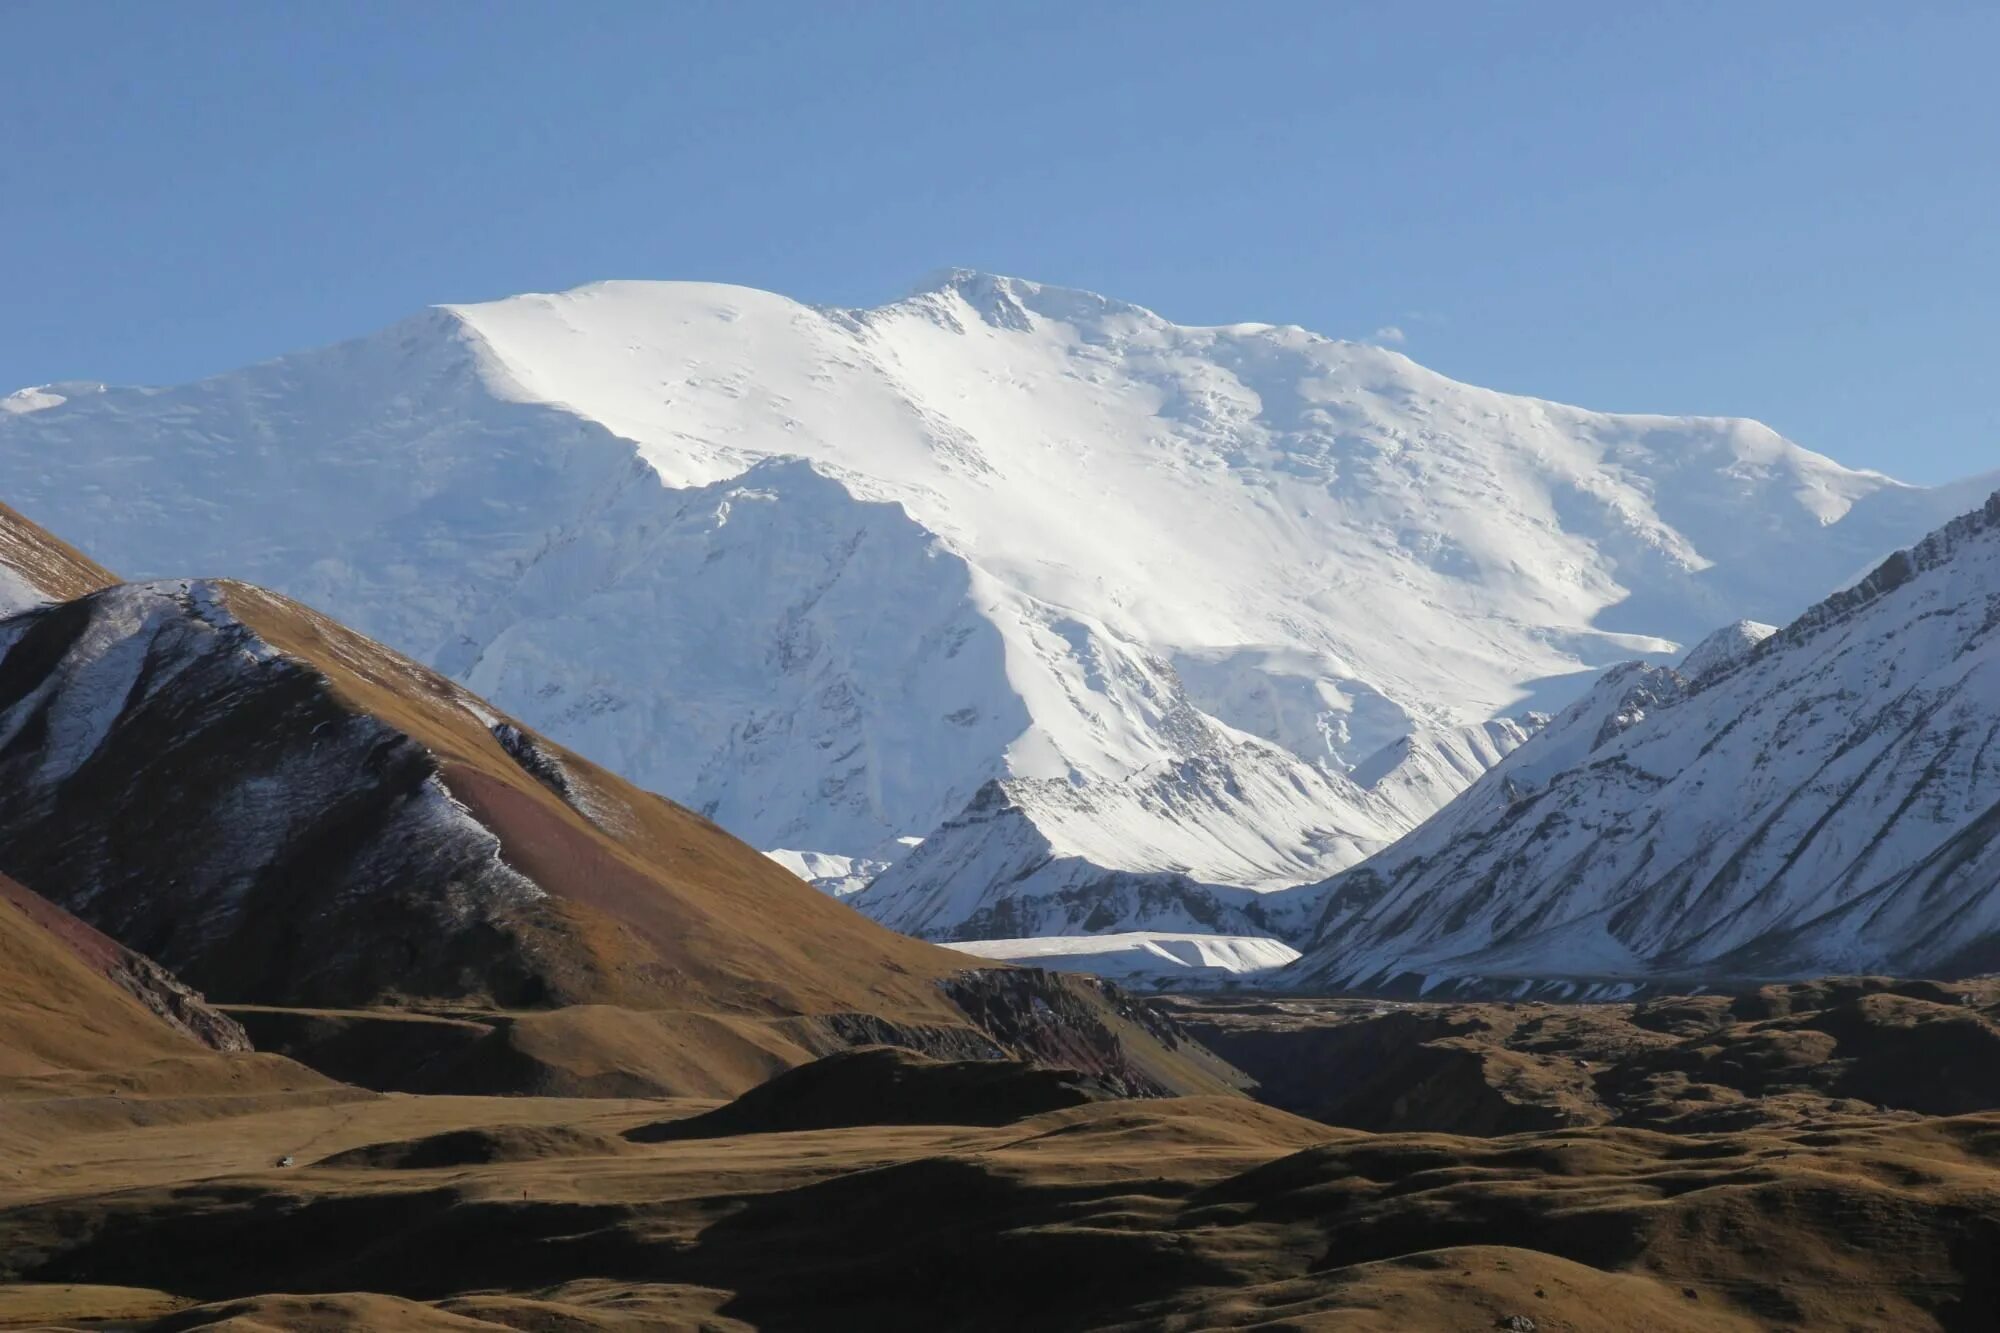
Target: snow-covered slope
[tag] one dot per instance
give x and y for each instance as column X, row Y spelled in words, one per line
column 826, row 574
column 1196, row 844
column 1824, row 798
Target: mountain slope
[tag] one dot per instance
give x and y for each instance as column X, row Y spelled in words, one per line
column 1195, row 845
column 73, row 1000
column 292, row 816
column 825, row 574
column 265, row 800
column 1825, row 798
column 37, row 566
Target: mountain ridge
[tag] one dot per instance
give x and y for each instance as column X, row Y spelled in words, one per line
column 1821, row 798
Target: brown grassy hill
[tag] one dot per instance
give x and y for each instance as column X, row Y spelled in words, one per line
column 73, row 1000
column 1195, row 1213
column 286, row 812
column 648, row 903
column 1787, row 1054
column 407, row 1212
column 291, row 816
column 881, row 1085
column 43, row 561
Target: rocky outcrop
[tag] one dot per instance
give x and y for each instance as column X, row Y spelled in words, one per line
column 1086, row 1024
column 72, row 998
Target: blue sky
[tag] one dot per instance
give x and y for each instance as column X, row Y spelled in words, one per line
column 1784, row 210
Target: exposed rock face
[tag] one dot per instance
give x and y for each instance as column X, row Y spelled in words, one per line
column 1826, row 799
column 993, row 872
column 72, row 998
column 1723, row 649
column 175, row 1003
column 1080, row 1023
column 1033, row 857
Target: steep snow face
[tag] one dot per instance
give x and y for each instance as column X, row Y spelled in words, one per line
column 794, row 662
column 1412, row 777
column 1328, row 540
column 824, row 574
column 1827, row 800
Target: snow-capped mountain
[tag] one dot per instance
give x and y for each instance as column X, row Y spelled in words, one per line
column 1186, row 593
column 1821, row 798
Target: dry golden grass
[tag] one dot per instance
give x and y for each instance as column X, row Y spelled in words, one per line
column 50, row 563
column 1203, row 1212
column 61, row 1010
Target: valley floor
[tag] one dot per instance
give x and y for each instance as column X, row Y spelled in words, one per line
column 1707, row 1163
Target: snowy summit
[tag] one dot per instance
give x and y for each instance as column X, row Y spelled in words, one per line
column 1129, row 622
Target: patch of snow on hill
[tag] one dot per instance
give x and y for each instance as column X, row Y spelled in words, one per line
column 17, row 592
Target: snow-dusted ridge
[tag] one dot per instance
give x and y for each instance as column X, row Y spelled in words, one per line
column 1824, row 799
column 167, row 771
column 828, row 574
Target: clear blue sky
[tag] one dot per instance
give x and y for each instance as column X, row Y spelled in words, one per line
column 1780, row 209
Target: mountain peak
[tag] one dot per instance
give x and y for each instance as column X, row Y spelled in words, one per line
column 956, row 278
column 1724, row 648
column 1002, row 299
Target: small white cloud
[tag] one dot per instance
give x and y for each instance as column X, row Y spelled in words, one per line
column 1388, row 333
